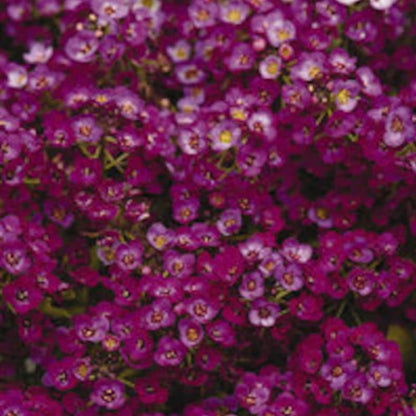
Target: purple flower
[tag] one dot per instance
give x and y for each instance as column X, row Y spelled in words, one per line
column 262, row 123
column 180, row 51
column 270, row 67
column 221, row 332
column 252, row 392
column 189, row 73
column 38, row 53
column 286, row 403
column 346, row 94
column 296, row 252
column 241, row 58
column 22, row 294
column 289, row 277
column 157, row 315
column 59, row 213
column 169, row 352
column 233, row 12
column 110, row 9
column 60, row 375
column 159, row 236
column 252, row 286
column 379, row 375
column 307, row 307
column 370, row 84
column 192, row 141
column 253, row 249
column 229, row 222
column 206, row 235
column 399, row 126
column 178, row 264
column 203, row 14
column 340, row 62
column 361, row 281
column 185, row 212
column 86, row 129
column 129, row 256
column 128, row 103
column 202, row 310
column 17, row 76
column 108, row 393
column 357, row 390
column 337, row 372
column 310, row 66
column 82, row 46
column 279, row 31
column 138, row 348
column 228, row 264
column 190, row 332
column 93, row 329
column 263, row 313
column 224, row 135
column 14, row 258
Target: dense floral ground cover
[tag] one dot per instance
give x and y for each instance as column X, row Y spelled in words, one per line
column 207, row 207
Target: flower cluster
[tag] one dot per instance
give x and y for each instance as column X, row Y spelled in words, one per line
column 207, row 207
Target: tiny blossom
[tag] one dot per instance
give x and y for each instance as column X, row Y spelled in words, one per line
column 233, row 12
column 230, row 222
column 280, row 31
column 241, row 58
column 113, row 9
column 346, row 95
column 224, row 135
column 38, row 53
column 263, row 313
column 17, row 76
column 169, row 352
column 270, row 67
column 82, row 47
column 159, row 236
column 128, row 256
column 108, row 394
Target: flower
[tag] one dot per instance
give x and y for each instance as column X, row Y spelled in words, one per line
column 108, row 393
column 169, row 352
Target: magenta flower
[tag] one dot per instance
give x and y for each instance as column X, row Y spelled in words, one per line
column 128, row 256
column 22, row 294
column 224, row 135
column 108, row 393
column 190, row 332
column 289, row 277
column 82, row 47
column 263, row 313
column 159, row 236
column 91, row 329
column 252, row 286
column 361, row 281
column 169, row 352
column 14, row 258
column 229, row 222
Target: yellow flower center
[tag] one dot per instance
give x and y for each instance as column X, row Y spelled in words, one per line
column 314, row 72
column 343, row 96
column 272, row 68
column 282, row 35
column 238, row 114
column 181, row 53
column 234, row 16
column 160, row 241
column 226, row 136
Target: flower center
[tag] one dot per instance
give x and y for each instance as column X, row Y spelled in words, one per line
column 225, row 136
